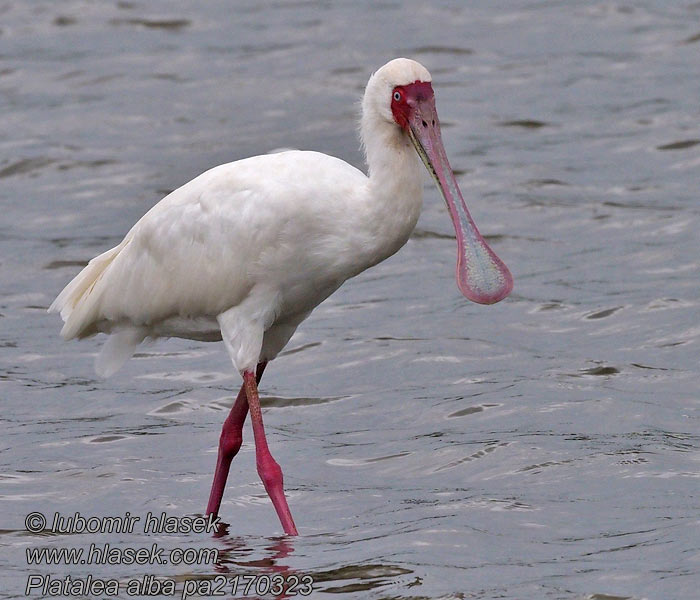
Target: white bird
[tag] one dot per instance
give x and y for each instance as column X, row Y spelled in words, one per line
column 245, row 251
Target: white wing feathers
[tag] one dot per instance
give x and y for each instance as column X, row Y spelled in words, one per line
column 256, row 224
column 175, row 261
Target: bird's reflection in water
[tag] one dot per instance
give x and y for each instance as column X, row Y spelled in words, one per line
column 279, row 548
column 238, row 557
column 242, row 557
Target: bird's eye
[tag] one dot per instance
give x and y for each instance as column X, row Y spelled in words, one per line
column 397, row 96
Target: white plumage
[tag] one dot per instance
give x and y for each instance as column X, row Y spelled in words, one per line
column 245, row 251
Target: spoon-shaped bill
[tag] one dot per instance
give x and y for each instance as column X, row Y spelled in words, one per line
column 481, row 276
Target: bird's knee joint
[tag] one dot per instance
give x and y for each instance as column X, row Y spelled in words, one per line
column 270, row 473
column 230, row 441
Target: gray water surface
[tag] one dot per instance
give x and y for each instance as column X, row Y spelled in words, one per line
column 543, row 447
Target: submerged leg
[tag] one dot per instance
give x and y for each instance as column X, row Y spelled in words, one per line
column 229, row 444
column 268, row 469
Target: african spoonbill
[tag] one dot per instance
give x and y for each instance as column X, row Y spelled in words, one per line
column 245, row 251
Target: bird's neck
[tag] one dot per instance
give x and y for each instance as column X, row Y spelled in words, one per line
column 395, row 183
column 391, row 159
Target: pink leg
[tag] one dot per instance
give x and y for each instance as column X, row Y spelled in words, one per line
column 229, row 445
column 268, row 469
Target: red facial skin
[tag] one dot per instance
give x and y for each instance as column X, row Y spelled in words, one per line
column 405, row 98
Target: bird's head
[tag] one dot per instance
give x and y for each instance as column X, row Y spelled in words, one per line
column 399, row 100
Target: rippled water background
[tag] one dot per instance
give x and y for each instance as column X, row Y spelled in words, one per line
column 545, row 447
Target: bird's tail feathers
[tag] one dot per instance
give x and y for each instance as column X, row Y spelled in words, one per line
column 118, row 348
column 77, row 303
